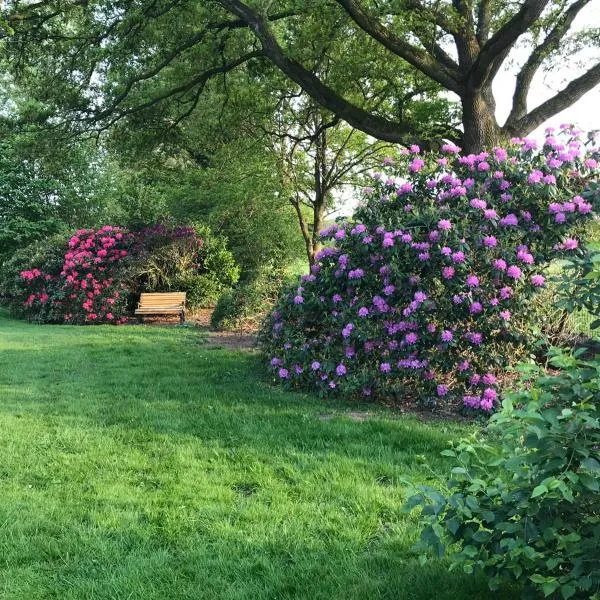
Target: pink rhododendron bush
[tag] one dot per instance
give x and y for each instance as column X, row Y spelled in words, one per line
column 422, row 294
column 90, row 286
column 93, row 276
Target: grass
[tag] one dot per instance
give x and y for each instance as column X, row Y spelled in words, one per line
column 137, row 463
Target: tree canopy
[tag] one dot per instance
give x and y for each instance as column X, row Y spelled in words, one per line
column 101, row 61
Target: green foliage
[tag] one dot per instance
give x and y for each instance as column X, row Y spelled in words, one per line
column 139, row 463
column 29, row 201
column 241, row 198
column 524, row 501
column 219, row 268
column 580, row 287
column 547, row 320
column 247, row 304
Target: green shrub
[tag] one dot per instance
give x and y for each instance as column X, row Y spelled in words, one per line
column 186, row 259
column 220, row 271
column 247, row 304
column 525, row 503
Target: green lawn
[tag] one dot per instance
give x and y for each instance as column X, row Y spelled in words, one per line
column 136, row 463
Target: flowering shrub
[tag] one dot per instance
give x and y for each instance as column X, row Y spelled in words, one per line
column 423, row 292
column 94, row 287
column 93, row 281
column 23, row 294
column 88, row 288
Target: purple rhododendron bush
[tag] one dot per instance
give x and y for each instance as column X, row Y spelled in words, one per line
column 423, row 293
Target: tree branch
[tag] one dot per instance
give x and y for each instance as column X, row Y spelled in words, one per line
column 199, row 80
column 484, row 18
column 497, row 48
column 565, row 98
column 465, row 39
column 418, row 58
column 530, row 68
column 361, row 119
column 430, row 13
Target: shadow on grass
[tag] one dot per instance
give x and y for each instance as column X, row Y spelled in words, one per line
column 138, row 463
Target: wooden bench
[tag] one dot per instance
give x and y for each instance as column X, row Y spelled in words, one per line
column 167, row 303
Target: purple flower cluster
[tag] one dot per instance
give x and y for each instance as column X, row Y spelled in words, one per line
column 416, row 296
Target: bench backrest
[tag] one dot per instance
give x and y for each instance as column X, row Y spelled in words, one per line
column 162, row 299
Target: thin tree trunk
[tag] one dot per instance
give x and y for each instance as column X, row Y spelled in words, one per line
column 318, row 216
column 306, row 234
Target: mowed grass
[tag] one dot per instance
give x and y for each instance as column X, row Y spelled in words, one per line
column 137, row 463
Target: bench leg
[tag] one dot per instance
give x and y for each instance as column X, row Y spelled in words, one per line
column 182, row 317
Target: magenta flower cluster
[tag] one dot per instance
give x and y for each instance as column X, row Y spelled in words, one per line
column 418, row 295
column 86, row 289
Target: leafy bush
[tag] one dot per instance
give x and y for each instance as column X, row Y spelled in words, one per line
column 187, row 259
column 423, row 294
column 248, row 303
column 525, row 503
column 220, row 271
column 580, row 289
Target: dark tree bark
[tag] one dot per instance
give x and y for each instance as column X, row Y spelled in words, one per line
column 481, row 130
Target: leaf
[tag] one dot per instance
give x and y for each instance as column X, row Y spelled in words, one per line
column 459, row 471
column 539, row 490
column 551, row 563
column 488, row 516
column 472, row 503
column 567, row 590
column 481, row 536
column 591, row 464
column 549, row 587
column 591, row 483
column 453, row 525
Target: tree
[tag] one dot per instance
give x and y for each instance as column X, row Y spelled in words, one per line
column 119, row 50
column 319, row 155
column 43, row 193
column 290, row 152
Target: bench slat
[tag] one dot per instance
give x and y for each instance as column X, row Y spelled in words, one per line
column 161, row 306
column 165, row 295
column 159, row 312
column 148, row 308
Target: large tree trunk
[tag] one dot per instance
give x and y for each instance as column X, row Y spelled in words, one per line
column 479, row 120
